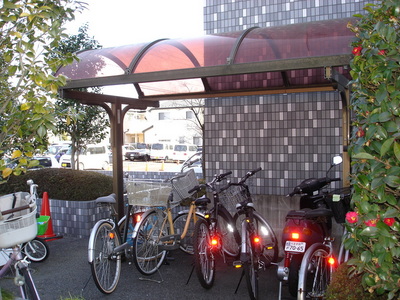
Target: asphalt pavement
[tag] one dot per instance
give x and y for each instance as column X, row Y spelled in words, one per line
column 66, row 275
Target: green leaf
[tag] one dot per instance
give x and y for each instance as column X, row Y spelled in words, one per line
column 391, row 213
column 369, row 231
column 363, row 155
column 381, row 93
column 396, row 148
column 392, row 181
column 386, row 146
column 385, row 116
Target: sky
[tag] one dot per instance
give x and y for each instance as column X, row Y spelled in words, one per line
column 124, row 22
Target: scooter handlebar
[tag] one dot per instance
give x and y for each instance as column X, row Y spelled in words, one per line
column 311, row 185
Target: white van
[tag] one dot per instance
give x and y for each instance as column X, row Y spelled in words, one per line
column 92, row 157
column 183, row 151
column 161, row 151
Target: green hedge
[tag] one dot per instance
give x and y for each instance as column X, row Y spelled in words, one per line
column 62, row 184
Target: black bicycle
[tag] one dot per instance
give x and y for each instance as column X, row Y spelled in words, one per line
column 234, row 228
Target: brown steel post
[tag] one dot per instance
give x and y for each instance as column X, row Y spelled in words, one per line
column 116, row 145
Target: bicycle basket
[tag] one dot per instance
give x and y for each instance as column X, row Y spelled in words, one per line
column 339, row 202
column 148, row 193
column 182, row 183
column 232, row 196
column 19, row 227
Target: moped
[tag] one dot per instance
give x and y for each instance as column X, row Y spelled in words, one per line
column 306, row 226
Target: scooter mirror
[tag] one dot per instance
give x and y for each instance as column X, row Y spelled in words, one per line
column 337, row 160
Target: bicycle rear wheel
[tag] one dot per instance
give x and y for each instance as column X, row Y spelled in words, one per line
column 204, row 260
column 36, row 250
column 186, row 244
column 230, row 237
column 27, row 286
column 147, row 253
column 106, row 265
column 251, row 270
column 315, row 273
column 266, row 233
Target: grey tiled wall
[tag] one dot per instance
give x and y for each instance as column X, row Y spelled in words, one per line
column 292, row 137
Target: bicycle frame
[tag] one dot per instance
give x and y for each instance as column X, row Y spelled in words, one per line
column 192, row 214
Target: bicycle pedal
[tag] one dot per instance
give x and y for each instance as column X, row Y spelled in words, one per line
column 237, row 264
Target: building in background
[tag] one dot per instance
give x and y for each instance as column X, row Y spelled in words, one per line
column 291, row 136
column 172, row 122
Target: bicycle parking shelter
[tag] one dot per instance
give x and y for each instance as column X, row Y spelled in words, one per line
column 305, row 57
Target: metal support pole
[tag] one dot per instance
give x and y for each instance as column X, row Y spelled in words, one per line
column 116, row 145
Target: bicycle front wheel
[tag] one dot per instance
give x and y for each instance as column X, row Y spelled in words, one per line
column 204, row 260
column 315, row 273
column 36, row 250
column 147, row 253
column 270, row 249
column 105, row 264
column 251, row 270
column 186, row 244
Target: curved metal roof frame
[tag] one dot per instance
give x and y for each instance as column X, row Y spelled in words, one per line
column 294, row 58
column 254, row 61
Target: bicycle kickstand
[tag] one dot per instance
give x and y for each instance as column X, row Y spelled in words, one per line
column 240, row 281
column 190, row 275
column 153, row 280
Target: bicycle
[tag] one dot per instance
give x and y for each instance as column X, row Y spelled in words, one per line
column 255, row 245
column 110, row 240
column 319, row 261
column 18, row 225
column 158, row 232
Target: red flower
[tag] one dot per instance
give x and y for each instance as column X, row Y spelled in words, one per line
column 389, row 221
column 357, row 50
column 371, row 223
column 360, row 133
column 352, row 217
column 381, row 52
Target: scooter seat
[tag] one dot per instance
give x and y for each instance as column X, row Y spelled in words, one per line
column 297, row 214
column 319, row 212
column 309, row 213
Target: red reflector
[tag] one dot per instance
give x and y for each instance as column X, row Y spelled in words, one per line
column 138, row 217
column 111, row 235
column 331, row 260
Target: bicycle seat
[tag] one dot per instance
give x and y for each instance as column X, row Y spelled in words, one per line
column 202, row 201
column 110, row 199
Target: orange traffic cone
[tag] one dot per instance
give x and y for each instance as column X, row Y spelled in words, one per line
column 45, row 211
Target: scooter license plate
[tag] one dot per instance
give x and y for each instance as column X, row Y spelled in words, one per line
column 295, row 246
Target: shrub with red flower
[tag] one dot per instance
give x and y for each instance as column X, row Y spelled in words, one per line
column 357, row 51
column 352, row 217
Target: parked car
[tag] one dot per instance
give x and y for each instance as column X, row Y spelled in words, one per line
column 92, row 157
column 182, row 152
column 161, row 151
column 141, row 151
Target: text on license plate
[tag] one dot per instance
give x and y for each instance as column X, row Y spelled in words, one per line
column 295, row 246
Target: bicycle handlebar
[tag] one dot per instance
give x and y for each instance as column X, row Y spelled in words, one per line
column 13, row 210
column 311, row 185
